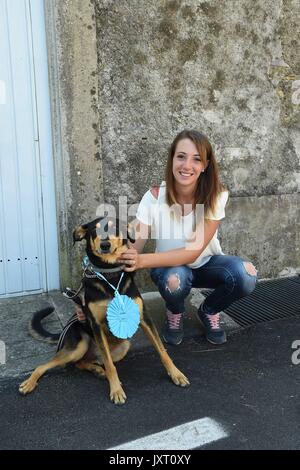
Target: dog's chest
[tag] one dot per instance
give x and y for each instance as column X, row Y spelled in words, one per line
column 98, row 295
column 98, row 309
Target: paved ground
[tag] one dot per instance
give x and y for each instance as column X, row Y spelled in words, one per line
column 249, row 386
column 23, row 353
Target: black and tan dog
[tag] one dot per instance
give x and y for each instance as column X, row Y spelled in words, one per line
column 91, row 344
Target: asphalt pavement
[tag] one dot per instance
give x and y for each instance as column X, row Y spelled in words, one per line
column 249, row 387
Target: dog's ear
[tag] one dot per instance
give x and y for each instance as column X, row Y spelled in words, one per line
column 79, row 233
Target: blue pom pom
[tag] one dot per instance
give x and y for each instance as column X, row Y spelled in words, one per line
column 123, row 316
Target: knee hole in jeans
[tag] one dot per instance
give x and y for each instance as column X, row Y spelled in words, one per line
column 250, row 268
column 173, row 283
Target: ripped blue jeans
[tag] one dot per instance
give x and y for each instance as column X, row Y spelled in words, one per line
column 226, row 274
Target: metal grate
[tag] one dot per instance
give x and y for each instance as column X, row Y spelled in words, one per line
column 270, row 300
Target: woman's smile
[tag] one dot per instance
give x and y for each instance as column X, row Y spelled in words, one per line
column 185, row 174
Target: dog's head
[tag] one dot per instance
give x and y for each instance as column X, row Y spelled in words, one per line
column 106, row 239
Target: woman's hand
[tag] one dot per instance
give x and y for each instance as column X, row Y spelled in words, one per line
column 132, row 260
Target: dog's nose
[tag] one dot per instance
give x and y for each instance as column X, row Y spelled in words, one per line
column 105, row 246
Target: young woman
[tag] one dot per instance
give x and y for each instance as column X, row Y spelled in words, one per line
column 188, row 252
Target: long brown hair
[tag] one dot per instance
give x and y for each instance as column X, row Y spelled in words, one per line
column 209, row 185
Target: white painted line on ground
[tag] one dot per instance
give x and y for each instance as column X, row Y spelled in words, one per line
column 187, row 436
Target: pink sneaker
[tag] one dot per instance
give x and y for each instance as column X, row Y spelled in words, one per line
column 173, row 330
column 213, row 331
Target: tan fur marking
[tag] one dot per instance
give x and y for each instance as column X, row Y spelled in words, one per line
column 62, row 358
column 119, row 352
column 117, row 394
column 91, row 367
column 112, row 258
column 139, row 303
column 80, row 232
column 98, row 286
column 98, row 310
column 117, row 249
column 126, row 285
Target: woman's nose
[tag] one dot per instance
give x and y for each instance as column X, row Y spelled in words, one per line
column 187, row 164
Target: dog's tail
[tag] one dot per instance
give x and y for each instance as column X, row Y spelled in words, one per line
column 36, row 328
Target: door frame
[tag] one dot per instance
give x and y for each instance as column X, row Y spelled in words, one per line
column 45, row 150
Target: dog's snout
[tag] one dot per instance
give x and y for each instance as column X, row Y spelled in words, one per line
column 105, row 246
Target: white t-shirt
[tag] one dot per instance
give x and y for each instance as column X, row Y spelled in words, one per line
column 172, row 232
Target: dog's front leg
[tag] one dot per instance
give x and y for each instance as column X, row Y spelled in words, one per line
column 117, row 394
column 150, row 330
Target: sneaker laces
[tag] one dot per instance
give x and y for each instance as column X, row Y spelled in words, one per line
column 214, row 320
column 174, row 320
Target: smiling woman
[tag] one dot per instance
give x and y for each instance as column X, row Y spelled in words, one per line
column 188, row 253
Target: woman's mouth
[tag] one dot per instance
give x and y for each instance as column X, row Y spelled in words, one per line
column 185, row 174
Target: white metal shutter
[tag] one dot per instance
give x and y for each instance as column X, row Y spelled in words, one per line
column 22, row 240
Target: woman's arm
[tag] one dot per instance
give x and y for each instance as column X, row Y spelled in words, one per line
column 141, row 234
column 178, row 257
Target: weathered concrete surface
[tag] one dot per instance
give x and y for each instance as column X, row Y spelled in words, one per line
column 231, row 71
column 132, row 74
column 266, row 230
column 71, row 33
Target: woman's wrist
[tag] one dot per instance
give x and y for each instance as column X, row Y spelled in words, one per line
column 148, row 260
column 141, row 262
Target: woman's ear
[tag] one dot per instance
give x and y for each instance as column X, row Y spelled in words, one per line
column 79, row 233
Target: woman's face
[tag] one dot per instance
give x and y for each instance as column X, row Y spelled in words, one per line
column 187, row 164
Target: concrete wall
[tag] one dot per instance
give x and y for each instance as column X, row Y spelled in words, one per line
column 230, row 69
column 73, row 68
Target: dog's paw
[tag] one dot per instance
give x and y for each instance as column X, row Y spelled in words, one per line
column 179, row 378
column 99, row 371
column 27, row 386
column 118, row 396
